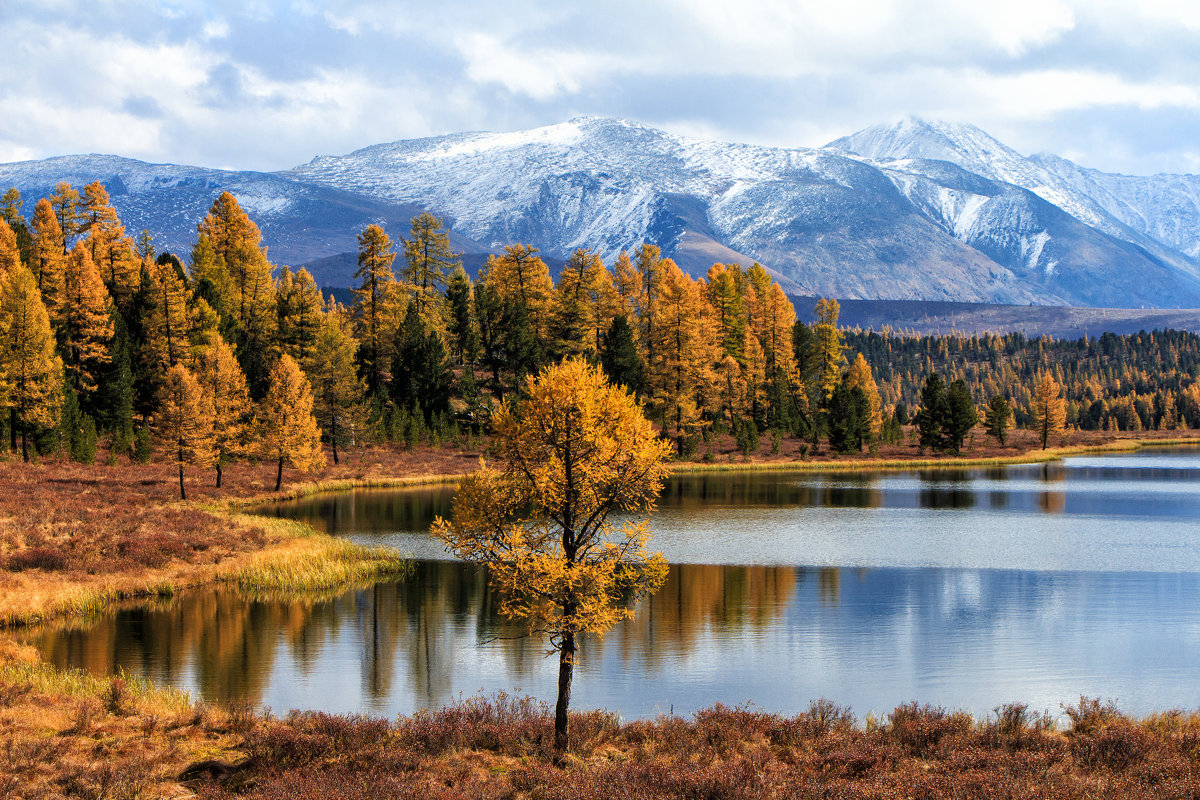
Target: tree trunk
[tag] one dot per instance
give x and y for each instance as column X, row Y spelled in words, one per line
column 25, row 441
column 333, row 436
column 12, row 429
column 279, row 475
column 218, row 473
column 566, row 670
column 182, row 490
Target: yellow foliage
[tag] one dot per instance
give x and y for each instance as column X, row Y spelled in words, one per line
column 82, row 318
column 575, row 451
column 46, row 262
column 10, row 254
column 860, row 376
column 30, row 371
column 288, row 432
column 225, row 385
column 1050, row 408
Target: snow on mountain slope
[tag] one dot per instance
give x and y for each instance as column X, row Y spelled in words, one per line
column 1164, row 207
column 829, row 221
column 975, row 151
column 300, row 222
column 920, row 211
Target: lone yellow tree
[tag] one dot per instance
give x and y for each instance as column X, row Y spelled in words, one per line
column 575, row 451
column 1049, row 408
column 287, row 428
column 185, row 422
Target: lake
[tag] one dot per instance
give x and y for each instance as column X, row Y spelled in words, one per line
column 964, row 588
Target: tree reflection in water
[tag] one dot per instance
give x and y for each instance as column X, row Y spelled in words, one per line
column 228, row 645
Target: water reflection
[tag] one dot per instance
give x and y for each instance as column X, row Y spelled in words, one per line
column 965, row 588
column 776, row 636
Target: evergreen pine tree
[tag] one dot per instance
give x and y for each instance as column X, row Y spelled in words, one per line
column 960, row 417
column 932, row 414
column 619, row 357
column 998, row 418
column 421, row 374
column 461, row 322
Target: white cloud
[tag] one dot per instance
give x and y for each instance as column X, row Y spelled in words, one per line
column 330, row 76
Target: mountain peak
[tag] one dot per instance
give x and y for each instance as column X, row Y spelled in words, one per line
column 914, row 137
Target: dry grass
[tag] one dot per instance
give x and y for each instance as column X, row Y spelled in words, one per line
column 69, row 734
column 74, row 538
column 501, row 748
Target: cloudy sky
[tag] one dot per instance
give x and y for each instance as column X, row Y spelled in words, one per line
column 253, row 84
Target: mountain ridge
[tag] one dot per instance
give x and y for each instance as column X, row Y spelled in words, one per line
column 912, row 211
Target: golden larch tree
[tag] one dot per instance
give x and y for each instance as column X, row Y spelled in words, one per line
column 298, row 304
column 48, row 251
column 860, row 376
column 111, row 249
column 168, row 326
column 651, row 269
column 575, row 324
column 67, row 204
column 827, row 348
column 224, row 383
column 184, row 422
column 337, row 391
column 776, row 321
column 1050, row 408
column 83, row 321
column 574, row 452
column 725, row 293
column 287, row 430
column 682, row 378
column 428, row 262
column 521, row 275
column 10, row 252
column 377, row 306
column 32, row 370
column 627, row 284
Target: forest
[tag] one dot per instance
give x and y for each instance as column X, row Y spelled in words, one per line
column 226, row 356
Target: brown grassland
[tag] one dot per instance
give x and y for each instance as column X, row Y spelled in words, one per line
column 74, row 538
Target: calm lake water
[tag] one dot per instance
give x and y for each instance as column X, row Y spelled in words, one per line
column 966, row 589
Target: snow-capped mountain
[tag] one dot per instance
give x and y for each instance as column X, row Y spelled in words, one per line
column 1097, row 199
column 300, row 222
column 927, row 211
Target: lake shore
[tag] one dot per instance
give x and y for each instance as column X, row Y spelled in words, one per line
column 69, row 733
column 75, row 538
column 93, row 535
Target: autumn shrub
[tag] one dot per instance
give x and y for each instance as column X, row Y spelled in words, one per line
column 919, row 729
column 153, row 550
column 501, row 723
column 43, row 558
column 311, row 736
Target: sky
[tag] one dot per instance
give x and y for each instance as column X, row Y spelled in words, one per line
column 263, row 85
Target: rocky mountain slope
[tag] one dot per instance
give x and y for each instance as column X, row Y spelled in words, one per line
column 914, row 211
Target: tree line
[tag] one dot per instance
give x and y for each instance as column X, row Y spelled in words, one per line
column 212, row 359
